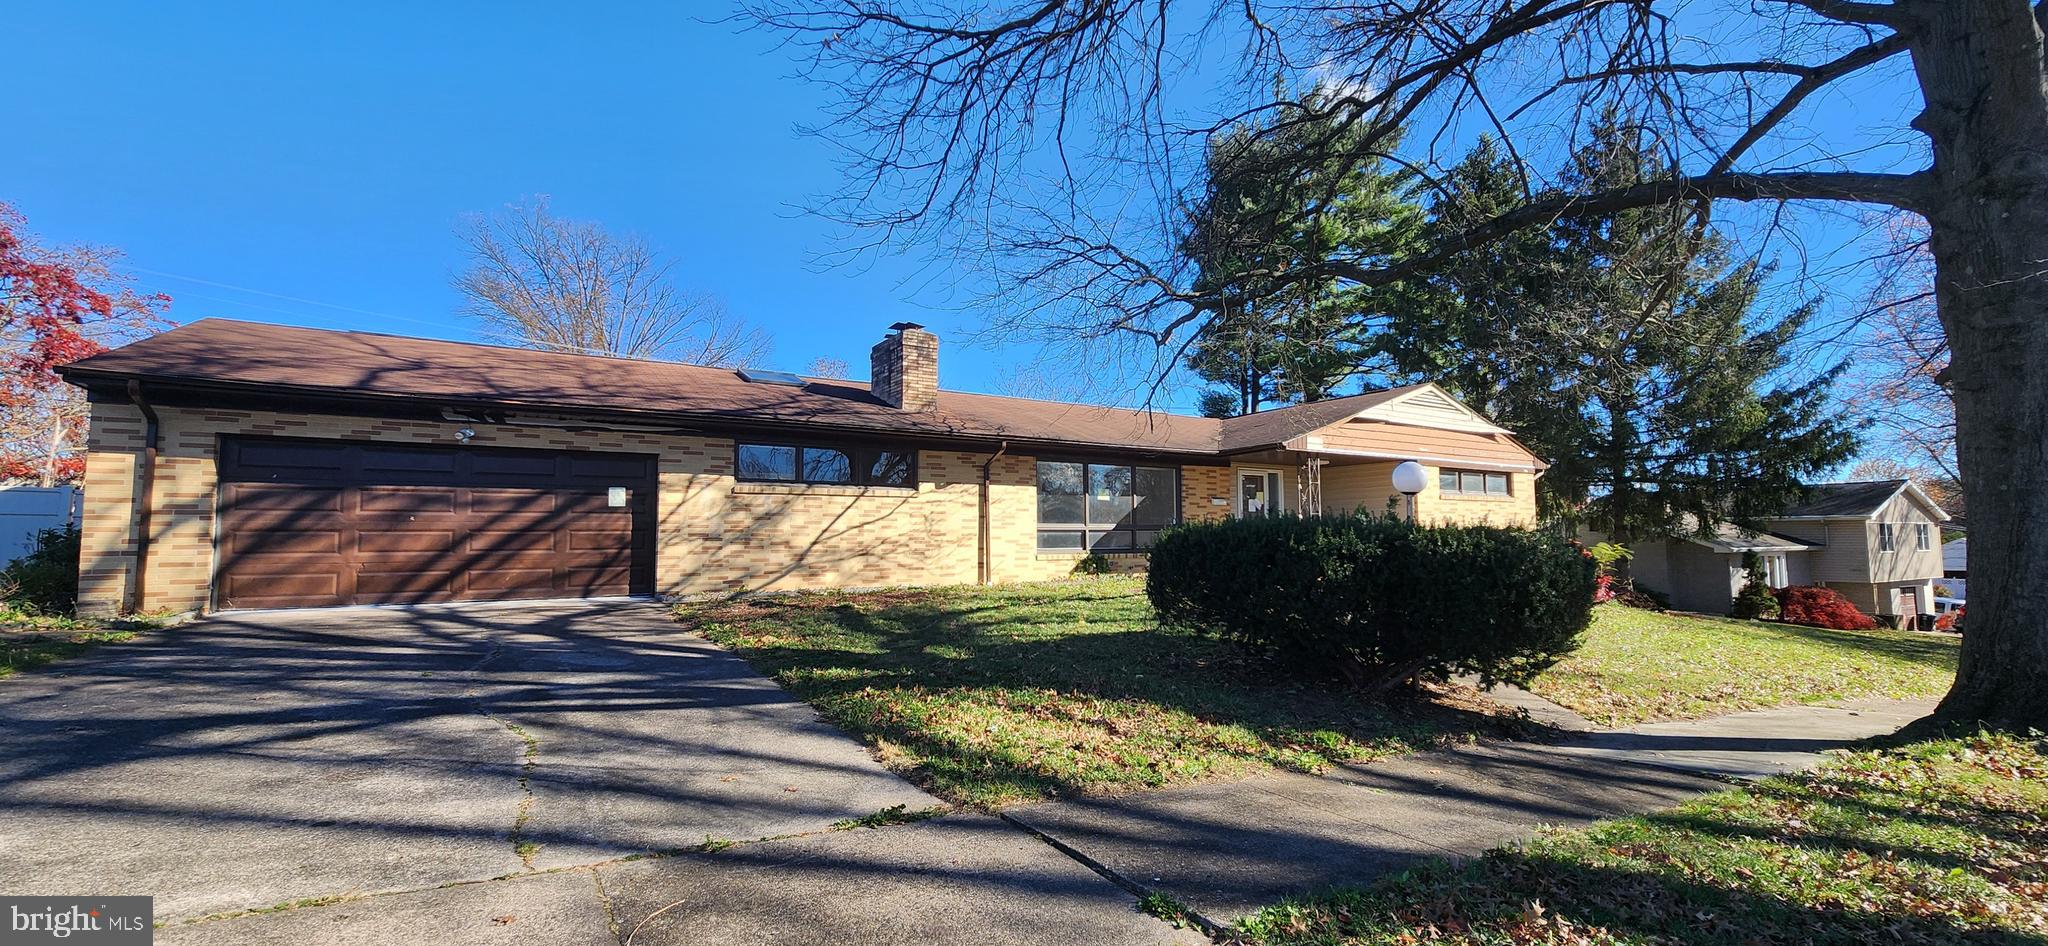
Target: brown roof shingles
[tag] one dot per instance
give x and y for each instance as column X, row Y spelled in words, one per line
column 313, row 362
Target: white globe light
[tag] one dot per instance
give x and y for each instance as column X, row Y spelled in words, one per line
column 1410, row 478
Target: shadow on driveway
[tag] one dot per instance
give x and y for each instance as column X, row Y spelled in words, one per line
column 254, row 758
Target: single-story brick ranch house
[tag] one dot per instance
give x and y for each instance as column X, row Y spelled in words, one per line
column 292, row 467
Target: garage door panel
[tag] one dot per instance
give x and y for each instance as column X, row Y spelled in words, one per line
column 594, row 582
column 261, row 590
column 414, row 500
column 420, row 540
column 403, row 585
column 500, row 501
column 599, row 540
column 259, row 457
column 310, row 523
column 279, row 541
column 271, row 497
column 511, row 579
column 373, row 460
column 507, row 542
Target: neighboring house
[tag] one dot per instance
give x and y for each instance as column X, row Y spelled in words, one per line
column 291, row 467
column 1955, row 567
column 1878, row 543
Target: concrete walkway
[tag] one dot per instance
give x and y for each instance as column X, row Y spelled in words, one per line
column 1226, row 849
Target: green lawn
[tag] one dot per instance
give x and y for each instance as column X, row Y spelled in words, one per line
column 1643, row 665
column 987, row 696
column 28, row 641
column 1942, row 842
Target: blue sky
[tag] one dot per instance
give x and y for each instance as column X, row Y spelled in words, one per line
column 327, row 154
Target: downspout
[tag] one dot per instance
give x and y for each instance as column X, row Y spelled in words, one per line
column 152, row 433
column 984, row 568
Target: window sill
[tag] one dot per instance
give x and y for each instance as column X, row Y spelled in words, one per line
column 820, row 489
column 1054, row 555
column 1468, row 497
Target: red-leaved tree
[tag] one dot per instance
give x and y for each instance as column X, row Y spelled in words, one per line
column 57, row 305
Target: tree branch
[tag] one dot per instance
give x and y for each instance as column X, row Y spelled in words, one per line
column 1896, row 190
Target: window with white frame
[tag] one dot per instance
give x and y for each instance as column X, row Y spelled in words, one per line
column 1885, row 541
column 1774, row 571
column 1923, row 538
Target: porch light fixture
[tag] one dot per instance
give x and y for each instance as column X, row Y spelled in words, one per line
column 1409, row 479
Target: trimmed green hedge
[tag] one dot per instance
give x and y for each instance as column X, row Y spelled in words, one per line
column 1375, row 598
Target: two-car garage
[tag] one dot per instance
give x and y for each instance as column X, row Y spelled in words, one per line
column 313, row 523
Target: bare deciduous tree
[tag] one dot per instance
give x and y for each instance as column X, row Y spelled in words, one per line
column 1052, row 138
column 1902, row 362
column 564, row 285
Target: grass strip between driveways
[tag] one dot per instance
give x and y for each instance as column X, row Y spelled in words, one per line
column 987, row 696
column 29, row 641
column 1638, row 665
column 1938, row 842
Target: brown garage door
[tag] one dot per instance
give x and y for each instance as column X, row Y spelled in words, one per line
column 310, row 523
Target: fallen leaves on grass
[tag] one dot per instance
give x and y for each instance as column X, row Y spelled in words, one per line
column 1938, row 842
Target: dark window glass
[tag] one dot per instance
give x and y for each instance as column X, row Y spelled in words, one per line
column 767, row 463
column 1884, row 537
column 1122, row 507
column 1109, row 495
column 1059, row 540
column 1920, row 538
column 1158, row 497
column 1497, row 484
column 826, row 465
column 1061, row 494
column 890, row 468
column 1109, row 541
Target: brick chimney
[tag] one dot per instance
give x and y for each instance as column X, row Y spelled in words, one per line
column 906, row 367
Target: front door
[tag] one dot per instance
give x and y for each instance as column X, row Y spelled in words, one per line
column 1258, row 493
column 1909, row 606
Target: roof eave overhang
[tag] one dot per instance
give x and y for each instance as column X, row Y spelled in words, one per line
column 676, row 422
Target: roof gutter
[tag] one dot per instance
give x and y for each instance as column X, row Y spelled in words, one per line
column 145, row 496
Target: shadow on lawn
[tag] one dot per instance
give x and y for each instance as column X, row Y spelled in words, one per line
column 1082, row 662
column 1632, row 905
column 1864, row 867
column 1927, row 649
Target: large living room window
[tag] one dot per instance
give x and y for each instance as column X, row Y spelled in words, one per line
column 841, row 465
column 1104, row 507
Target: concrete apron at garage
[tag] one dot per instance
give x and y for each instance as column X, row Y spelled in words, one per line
column 255, row 758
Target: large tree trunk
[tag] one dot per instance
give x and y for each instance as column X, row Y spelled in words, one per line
column 1981, row 69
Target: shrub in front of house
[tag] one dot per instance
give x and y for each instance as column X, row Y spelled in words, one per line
column 45, row 581
column 1377, row 599
column 1755, row 602
column 1815, row 606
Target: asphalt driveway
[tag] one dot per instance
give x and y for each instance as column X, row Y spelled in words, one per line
column 253, row 759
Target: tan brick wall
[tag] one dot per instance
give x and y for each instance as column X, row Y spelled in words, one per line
column 1518, row 509
column 1200, row 489
column 713, row 534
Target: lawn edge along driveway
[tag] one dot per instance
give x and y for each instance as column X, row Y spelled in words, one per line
column 989, row 696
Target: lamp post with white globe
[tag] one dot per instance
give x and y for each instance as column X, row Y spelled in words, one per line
column 1409, row 479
